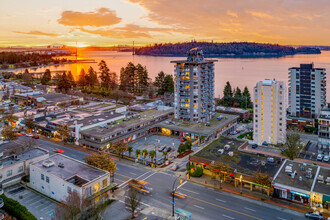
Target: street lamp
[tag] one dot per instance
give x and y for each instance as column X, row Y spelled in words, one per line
column 173, row 191
column 240, row 179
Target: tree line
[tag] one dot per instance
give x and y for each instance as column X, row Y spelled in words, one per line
column 235, row 97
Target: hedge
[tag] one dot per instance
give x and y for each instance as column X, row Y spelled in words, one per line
column 15, row 209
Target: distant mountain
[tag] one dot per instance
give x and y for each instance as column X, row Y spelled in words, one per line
column 234, row 49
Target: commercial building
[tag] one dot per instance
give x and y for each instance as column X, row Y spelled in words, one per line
column 307, row 93
column 324, row 131
column 59, row 175
column 13, row 166
column 194, row 87
column 303, row 183
column 300, row 123
column 130, row 128
column 269, row 112
column 244, row 114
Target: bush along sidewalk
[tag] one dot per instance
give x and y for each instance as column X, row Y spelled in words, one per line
column 15, row 209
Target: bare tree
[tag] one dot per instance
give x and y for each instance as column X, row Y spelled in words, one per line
column 70, row 208
column 29, row 144
column 132, row 200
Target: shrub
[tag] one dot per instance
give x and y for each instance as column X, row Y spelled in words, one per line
column 196, row 171
column 17, row 210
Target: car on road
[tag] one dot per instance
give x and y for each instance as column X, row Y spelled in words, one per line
column 175, row 167
column 19, row 134
column 59, row 151
column 319, row 157
column 29, row 134
column 311, row 215
column 35, row 136
column 168, row 149
column 161, row 149
column 254, row 146
column 326, row 158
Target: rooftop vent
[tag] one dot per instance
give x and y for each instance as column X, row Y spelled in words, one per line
column 231, row 153
column 300, row 178
column 48, row 163
column 227, row 147
column 221, row 151
column 320, row 179
column 327, row 181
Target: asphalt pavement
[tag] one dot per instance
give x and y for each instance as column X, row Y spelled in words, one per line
column 203, row 202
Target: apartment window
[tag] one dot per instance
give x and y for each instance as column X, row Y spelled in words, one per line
column 69, row 189
column 96, row 187
column 42, row 177
column 280, row 124
column 47, row 179
column 20, row 169
column 0, row 176
column 9, row 172
column 105, row 183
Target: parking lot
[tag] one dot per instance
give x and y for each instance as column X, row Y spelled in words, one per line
column 155, row 142
column 39, row 206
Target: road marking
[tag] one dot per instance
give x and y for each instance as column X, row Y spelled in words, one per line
column 140, row 202
column 199, row 207
column 281, row 218
column 190, row 191
column 250, row 209
column 149, row 176
column 220, row 200
column 132, row 173
column 224, row 208
column 228, row 216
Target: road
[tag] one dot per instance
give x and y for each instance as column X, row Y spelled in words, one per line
column 203, row 202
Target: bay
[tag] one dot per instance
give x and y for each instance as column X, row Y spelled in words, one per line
column 238, row 71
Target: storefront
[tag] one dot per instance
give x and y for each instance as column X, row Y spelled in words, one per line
column 292, row 195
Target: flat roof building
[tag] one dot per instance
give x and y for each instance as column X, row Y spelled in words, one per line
column 59, row 175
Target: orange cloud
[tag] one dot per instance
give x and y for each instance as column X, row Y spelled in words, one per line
column 102, row 17
column 259, row 14
column 128, row 31
column 38, row 33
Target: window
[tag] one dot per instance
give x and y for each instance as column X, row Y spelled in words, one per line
column 88, row 192
column 47, row 179
column 0, row 176
column 9, row 172
column 42, row 177
column 96, row 187
column 20, row 169
column 105, row 183
column 69, row 189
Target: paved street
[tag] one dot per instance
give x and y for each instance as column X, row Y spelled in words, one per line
column 198, row 198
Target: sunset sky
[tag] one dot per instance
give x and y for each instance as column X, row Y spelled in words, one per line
column 112, row 22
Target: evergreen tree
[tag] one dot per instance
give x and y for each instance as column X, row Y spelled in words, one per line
column 246, row 99
column 169, row 84
column 82, row 78
column 227, row 95
column 238, row 97
column 128, row 77
column 141, row 77
column 46, row 77
column 92, row 77
column 104, row 75
column 159, row 82
column 71, row 79
column 64, row 84
column 27, row 77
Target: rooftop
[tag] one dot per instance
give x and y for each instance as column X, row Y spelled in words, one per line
column 285, row 178
column 123, row 123
column 231, row 109
column 36, row 152
column 322, row 186
column 72, row 171
column 55, row 97
column 199, row 128
column 243, row 163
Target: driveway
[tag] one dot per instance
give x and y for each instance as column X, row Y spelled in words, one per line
column 41, row 207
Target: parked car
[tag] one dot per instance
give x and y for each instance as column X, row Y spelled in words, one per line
column 319, row 157
column 254, row 146
column 19, row 134
column 326, row 158
column 175, row 167
column 270, row 159
column 59, row 151
column 311, row 215
column 161, row 149
column 35, row 136
column 238, row 131
column 29, row 134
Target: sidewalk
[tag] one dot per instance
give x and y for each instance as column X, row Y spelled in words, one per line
column 228, row 187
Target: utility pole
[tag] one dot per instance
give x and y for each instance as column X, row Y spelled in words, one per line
column 173, row 192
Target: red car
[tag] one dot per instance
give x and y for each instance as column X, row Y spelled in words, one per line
column 59, row 151
column 19, row 134
column 35, row 136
